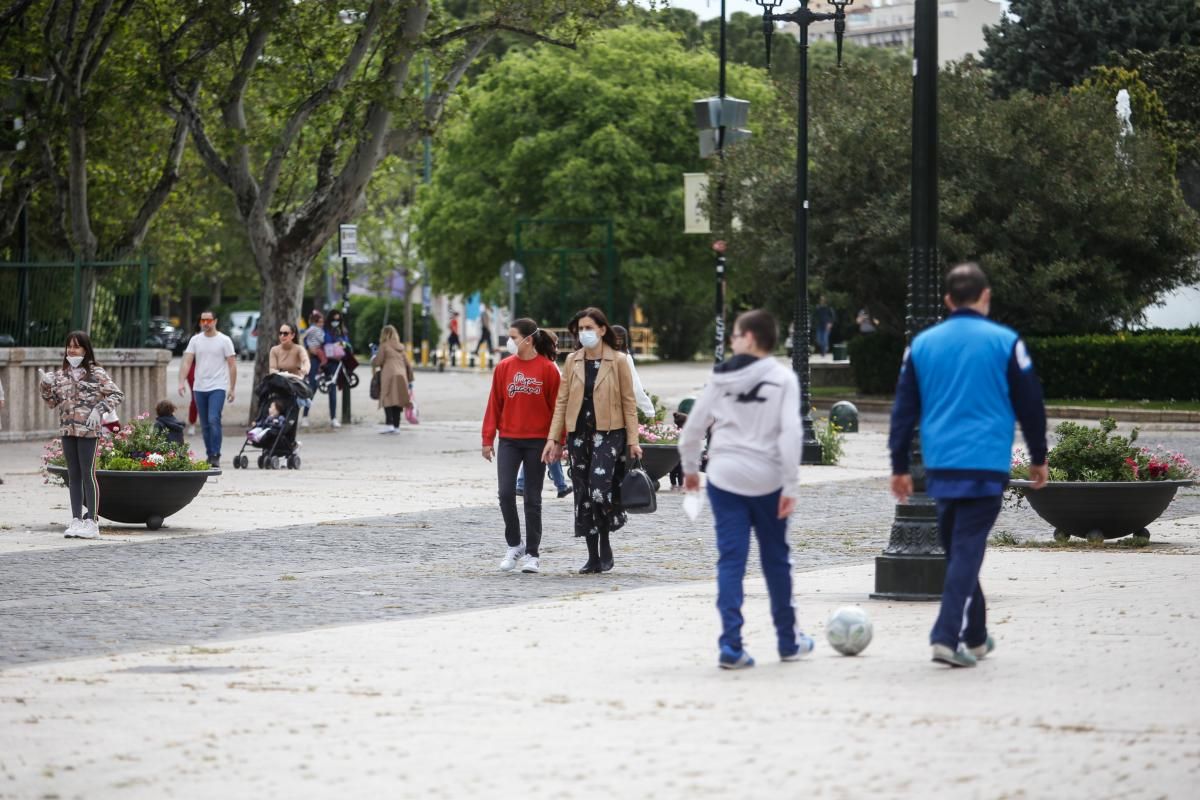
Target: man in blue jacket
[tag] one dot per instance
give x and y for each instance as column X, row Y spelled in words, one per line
column 967, row 380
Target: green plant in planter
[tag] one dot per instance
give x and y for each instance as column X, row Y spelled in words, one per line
column 136, row 447
column 1097, row 454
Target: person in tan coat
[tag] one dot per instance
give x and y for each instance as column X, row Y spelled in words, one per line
column 597, row 410
column 396, row 378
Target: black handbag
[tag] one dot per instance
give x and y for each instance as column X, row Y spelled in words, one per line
column 376, row 384
column 638, row 492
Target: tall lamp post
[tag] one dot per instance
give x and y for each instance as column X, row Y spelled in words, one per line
column 803, row 17
column 913, row 566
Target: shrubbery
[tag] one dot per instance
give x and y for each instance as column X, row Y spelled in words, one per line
column 876, row 359
column 366, row 321
column 1147, row 365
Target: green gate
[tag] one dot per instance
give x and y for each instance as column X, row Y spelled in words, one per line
column 42, row 301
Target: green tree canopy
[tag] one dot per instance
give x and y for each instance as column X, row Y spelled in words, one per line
column 1041, row 44
column 606, row 132
column 1076, row 235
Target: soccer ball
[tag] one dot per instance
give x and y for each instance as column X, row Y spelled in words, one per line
column 849, row 630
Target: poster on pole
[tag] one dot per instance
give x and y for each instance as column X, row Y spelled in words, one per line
column 695, row 190
column 347, row 240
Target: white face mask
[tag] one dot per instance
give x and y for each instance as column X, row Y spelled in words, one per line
column 74, row 361
column 589, row 339
column 511, row 346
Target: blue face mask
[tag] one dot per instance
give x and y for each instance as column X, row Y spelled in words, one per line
column 589, row 339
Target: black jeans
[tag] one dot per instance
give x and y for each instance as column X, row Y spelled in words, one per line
column 509, row 456
column 81, row 475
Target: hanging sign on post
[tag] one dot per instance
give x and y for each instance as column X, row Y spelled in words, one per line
column 347, row 240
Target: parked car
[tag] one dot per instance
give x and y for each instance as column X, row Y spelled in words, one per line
column 171, row 338
column 236, row 327
column 250, row 339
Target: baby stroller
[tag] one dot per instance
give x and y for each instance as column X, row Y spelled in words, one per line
column 277, row 442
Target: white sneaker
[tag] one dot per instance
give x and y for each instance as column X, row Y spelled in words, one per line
column 304, row 423
column 510, row 558
column 386, row 429
column 531, row 564
column 73, row 528
column 335, row 423
column 191, row 430
column 88, row 529
column 395, row 429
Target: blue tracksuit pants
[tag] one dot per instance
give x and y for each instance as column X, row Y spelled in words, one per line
column 735, row 514
column 963, row 525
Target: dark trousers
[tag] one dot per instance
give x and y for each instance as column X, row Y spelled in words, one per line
column 734, row 515
column 392, row 415
column 81, row 475
column 510, row 455
column 963, row 525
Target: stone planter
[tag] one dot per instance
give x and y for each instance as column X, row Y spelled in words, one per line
column 144, row 497
column 659, row 459
column 1099, row 510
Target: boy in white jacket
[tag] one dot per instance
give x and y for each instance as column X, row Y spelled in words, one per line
column 752, row 404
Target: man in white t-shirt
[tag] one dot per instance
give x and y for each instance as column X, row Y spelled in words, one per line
column 216, row 378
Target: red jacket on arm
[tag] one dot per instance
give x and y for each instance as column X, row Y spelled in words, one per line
column 521, row 403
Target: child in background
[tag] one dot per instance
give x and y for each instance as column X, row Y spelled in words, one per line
column 167, row 423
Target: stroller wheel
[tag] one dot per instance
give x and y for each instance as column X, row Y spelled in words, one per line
column 295, row 462
column 237, row 462
column 245, row 461
column 262, row 462
column 353, row 380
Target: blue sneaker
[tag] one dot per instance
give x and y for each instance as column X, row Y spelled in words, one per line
column 734, row 659
column 804, row 646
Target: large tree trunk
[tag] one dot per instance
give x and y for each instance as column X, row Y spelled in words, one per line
column 282, row 293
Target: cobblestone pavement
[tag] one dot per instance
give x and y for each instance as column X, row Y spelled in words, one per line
column 99, row 600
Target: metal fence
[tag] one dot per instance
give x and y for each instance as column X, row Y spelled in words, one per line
column 42, row 301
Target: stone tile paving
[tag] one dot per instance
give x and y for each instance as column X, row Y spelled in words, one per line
column 95, row 600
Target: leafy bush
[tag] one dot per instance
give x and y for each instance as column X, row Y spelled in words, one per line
column 876, row 360
column 832, row 441
column 1149, row 366
column 366, row 321
column 135, row 447
column 1095, row 454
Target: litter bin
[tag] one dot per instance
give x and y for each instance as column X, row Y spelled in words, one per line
column 839, row 352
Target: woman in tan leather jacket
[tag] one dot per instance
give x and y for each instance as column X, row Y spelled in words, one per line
column 596, row 408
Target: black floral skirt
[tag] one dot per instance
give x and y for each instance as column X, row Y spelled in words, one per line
column 597, row 467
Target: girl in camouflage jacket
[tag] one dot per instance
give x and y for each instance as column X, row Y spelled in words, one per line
column 83, row 393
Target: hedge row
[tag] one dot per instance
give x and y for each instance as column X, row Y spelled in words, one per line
column 1146, row 366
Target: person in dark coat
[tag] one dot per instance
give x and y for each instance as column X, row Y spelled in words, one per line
column 167, row 423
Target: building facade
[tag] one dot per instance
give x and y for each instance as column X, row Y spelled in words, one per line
column 890, row 23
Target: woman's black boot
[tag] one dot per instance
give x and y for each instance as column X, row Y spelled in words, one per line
column 606, row 553
column 593, row 562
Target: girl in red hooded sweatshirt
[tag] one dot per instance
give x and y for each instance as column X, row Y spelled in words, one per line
column 520, row 407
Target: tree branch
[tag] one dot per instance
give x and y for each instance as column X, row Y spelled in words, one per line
column 158, row 195
column 496, row 25
column 204, row 145
column 94, row 62
column 375, row 16
column 95, row 24
column 10, row 15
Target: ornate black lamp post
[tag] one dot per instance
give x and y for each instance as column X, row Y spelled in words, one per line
column 803, row 17
column 913, row 567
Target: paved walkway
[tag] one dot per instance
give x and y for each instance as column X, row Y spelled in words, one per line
column 343, row 628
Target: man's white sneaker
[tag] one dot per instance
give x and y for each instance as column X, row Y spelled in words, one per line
column 531, row 564
column 304, row 423
column 88, row 529
column 335, row 423
column 73, row 528
column 510, row 558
